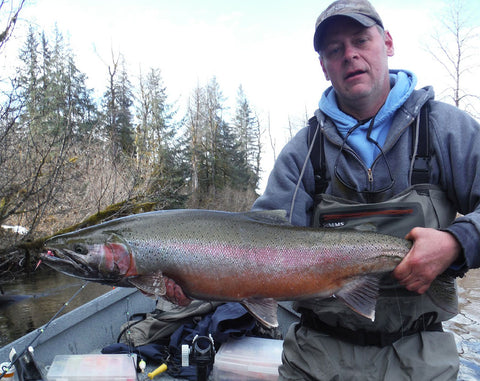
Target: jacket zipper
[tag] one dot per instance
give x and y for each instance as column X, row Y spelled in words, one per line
column 352, row 152
column 357, row 157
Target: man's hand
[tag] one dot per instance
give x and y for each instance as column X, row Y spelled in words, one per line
column 174, row 293
column 433, row 251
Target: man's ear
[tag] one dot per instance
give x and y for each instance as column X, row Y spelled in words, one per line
column 389, row 44
column 323, row 68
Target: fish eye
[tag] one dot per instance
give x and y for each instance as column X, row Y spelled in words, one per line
column 80, row 249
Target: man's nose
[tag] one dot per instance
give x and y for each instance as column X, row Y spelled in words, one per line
column 350, row 52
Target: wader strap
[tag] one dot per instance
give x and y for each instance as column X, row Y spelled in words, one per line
column 420, row 173
column 317, row 156
column 369, row 338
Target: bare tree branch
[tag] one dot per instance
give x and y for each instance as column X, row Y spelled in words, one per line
column 6, row 30
column 453, row 47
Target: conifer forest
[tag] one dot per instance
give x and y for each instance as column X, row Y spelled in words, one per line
column 69, row 159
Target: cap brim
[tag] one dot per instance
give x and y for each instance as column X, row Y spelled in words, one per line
column 362, row 19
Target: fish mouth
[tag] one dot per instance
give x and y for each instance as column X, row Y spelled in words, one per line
column 68, row 262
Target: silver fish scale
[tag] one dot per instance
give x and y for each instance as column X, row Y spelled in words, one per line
column 208, row 250
column 196, row 241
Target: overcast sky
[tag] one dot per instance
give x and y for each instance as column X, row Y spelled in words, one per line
column 264, row 45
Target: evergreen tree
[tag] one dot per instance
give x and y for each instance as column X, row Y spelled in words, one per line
column 215, row 126
column 157, row 150
column 247, row 132
column 195, row 136
column 51, row 113
column 117, row 104
column 221, row 155
column 28, row 78
column 155, row 131
column 124, row 122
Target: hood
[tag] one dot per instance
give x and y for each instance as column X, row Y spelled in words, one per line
column 402, row 86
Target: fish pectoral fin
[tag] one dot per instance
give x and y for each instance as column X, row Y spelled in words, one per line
column 152, row 284
column 113, row 237
column 361, row 295
column 263, row 309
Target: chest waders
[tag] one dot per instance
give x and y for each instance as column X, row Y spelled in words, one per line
column 399, row 312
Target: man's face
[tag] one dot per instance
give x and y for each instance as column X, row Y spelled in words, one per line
column 355, row 60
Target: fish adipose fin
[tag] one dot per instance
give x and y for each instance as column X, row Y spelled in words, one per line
column 361, row 295
column 152, row 284
column 264, row 310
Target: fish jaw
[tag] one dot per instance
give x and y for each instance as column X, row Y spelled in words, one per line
column 108, row 263
column 70, row 263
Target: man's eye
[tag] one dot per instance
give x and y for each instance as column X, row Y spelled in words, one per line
column 361, row 41
column 333, row 51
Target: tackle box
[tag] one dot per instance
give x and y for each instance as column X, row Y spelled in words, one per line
column 93, row 367
column 248, row 358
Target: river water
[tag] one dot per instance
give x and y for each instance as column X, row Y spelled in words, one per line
column 41, row 294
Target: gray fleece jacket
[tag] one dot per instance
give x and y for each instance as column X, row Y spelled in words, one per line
column 454, row 166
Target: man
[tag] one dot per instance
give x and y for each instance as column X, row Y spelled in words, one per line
column 379, row 155
column 369, row 131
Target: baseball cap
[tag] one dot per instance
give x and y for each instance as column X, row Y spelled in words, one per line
column 360, row 10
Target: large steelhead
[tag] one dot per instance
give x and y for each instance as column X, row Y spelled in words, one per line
column 254, row 258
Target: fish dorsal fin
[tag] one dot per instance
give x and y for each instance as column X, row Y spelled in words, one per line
column 152, row 284
column 263, row 309
column 274, row 217
column 361, row 294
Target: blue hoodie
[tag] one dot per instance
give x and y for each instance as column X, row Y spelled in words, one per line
column 402, row 84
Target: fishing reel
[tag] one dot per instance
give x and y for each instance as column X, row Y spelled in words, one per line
column 23, row 367
column 201, row 353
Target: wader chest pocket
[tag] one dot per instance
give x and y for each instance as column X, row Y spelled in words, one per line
column 388, row 218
